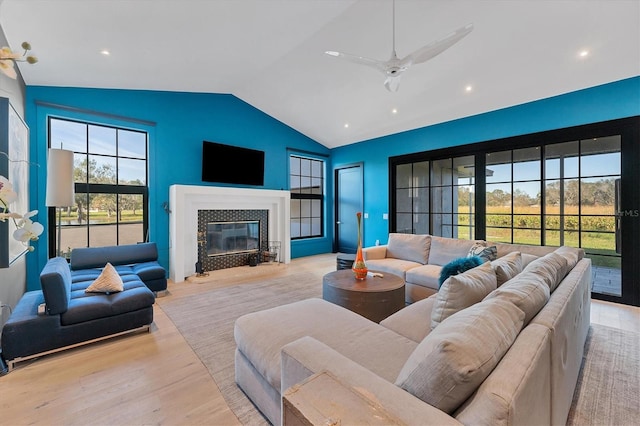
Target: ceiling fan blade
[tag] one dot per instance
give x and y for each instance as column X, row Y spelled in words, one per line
column 392, row 83
column 379, row 65
column 435, row 48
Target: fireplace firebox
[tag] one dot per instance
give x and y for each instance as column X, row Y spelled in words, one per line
column 231, row 237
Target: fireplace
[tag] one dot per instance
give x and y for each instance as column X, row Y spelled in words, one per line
column 230, row 237
column 186, row 200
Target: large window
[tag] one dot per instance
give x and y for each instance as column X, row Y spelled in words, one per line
column 412, row 198
column 575, row 187
column 110, row 175
column 436, row 197
column 307, row 197
column 513, row 196
column 581, row 205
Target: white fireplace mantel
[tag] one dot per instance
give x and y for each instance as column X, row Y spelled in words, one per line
column 186, row 200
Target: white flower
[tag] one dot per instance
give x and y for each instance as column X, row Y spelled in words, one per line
column 8, row 69
column 5, row 216
column 7, row 194
column 8, row 58
column 26, row 229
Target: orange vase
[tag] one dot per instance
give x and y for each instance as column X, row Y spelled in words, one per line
column 359, row 267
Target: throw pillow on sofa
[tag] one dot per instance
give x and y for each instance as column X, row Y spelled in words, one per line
column 552, row 268
column 507, row 267
column 107, row 282
column 527, row 291
column 460, row 291
column 480, row 248
column 458, row 266
column 455, row 358
column 411, row 247
column 571, row 254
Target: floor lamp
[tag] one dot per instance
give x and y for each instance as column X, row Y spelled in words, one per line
column 60, row 191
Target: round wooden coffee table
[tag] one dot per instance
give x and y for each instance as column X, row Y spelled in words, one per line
column 375, row 297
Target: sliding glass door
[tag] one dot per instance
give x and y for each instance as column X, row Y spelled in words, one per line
column 576, row 187
column 575, row 204
column 436, row 197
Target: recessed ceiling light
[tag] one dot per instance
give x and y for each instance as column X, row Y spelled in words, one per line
column 583, row 53
column 346, row 125
column 468, row 88
column 105, row 52
column 394, row 111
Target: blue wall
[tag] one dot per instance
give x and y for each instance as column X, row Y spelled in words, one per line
column 601, row 103
column 177, row 124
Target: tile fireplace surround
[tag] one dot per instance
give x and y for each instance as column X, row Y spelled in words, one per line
column 186, row 200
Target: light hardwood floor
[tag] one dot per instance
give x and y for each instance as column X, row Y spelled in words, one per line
column 156, row 378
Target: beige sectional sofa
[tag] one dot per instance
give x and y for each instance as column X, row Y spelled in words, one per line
column 472, row 353
column 420, row 258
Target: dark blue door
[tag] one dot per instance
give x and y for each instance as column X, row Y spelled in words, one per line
column 349, row 201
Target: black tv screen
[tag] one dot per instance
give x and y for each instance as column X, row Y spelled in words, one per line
column 232, row 164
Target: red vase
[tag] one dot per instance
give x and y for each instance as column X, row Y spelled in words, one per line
column 359, row 267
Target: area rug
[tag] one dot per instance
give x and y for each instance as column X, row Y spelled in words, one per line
column 608, row 386
column 206, row 322
column 608, row 390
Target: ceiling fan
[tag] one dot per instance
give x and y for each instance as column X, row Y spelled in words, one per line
column 394, row 67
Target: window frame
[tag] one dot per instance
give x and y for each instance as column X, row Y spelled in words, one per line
column 116, row 189
column 308, row 196
column 629, row 131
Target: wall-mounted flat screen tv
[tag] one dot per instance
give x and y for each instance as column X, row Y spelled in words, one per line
column 232, row 164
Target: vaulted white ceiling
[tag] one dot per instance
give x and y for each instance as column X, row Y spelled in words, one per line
column 269, row 53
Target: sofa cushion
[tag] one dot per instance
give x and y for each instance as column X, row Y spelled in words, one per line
column 507, row 267
column 425, row 276
column 527, row 259
column 125, row 270
column 480, row 248
column 571, row 254
column 444, row 250
column 393, row 266
column 261, row 335
column 97, row 257
column 527, row 291
column 55, row 280
column 455, row 358
column 78, row 288
column 83, row 275
column 412, row 247
column 458, row 266
column 413, row 321
column 85, row 307
column 506, row 248
column 107, row 282
column 148, row 271
column 551, row 267
column 460, row 291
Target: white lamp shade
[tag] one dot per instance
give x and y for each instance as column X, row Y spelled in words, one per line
column 60, row 191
